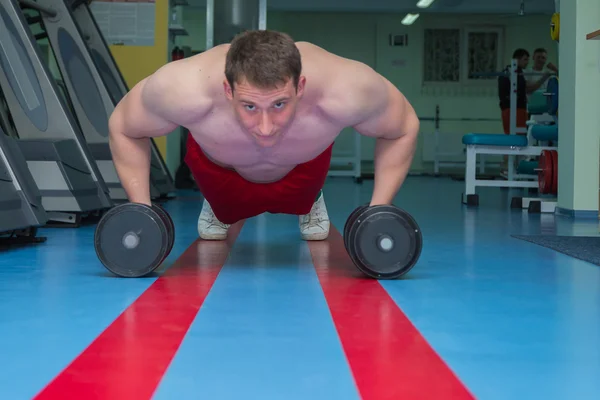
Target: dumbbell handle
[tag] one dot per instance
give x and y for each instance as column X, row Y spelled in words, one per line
column 130, row 240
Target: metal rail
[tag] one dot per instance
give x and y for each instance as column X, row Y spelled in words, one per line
column 35, row 6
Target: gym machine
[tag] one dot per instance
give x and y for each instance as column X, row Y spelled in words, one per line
column 57, row 157
column 21, row 211
column 115, row 83
column 91, row 99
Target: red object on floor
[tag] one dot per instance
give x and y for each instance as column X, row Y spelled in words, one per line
column 388, row 356
column 128, row 360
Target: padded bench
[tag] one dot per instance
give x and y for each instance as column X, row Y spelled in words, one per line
column 499, row 144
column 494, row 139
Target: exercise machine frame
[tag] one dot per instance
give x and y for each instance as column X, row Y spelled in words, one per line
column 57, row 155
column 513, row 180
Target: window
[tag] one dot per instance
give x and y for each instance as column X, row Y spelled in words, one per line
column 442, row 55
column 453, row 55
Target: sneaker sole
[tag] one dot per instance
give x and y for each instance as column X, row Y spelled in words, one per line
column 315, row 236
column 207, row 236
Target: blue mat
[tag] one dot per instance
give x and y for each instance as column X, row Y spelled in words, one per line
column 586, row 248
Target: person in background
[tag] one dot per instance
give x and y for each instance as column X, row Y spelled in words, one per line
column 524, row 87
column 539, row 68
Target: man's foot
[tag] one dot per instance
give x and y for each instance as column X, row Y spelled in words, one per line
column 315, row 225
column 209, row 227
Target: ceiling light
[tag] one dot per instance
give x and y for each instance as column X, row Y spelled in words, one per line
column 409, row 19
column 424, row 3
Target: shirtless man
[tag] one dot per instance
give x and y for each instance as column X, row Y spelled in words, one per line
column 263, row 112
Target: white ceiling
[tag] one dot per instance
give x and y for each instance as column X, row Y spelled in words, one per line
column 438, row 6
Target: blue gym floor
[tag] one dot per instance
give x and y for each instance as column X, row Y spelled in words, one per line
column 482, row 315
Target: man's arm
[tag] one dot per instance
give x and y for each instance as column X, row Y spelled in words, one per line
column 533, row 83
column 141, row 114
column 385, row 114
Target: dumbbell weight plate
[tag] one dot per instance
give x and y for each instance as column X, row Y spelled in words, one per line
column 545, row 172
column 552, row 95
column 169, row 222
column 555, row 27
column 554, row 155
column 384, row 242
column 350, row 221
column 132, row 240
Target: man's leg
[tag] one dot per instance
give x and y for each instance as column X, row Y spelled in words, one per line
column 521, row 123
column 315, row 225
column 209, row 226
column 506, row 128
column 223, row 189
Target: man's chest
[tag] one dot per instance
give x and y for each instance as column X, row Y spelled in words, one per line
column 228, row 144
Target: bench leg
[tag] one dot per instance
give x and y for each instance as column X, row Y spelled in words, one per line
column 469, row 196
column 511, row 167
column 470, row 170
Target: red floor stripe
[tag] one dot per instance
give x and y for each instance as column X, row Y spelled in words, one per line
column 388, row 356
column 129, row 359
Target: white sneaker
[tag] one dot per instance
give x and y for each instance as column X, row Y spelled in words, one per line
column 209, row 227
column 315, row 226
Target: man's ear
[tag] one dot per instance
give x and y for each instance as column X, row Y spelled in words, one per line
column 301, row 84
column 228, row 90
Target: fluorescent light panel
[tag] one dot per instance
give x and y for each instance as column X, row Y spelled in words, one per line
column 424, row 3
column 409, row 19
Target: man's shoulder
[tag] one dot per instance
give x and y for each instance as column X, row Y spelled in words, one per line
column 198, row 66
column 184, row 85
column 308, row 46
column 348, row 89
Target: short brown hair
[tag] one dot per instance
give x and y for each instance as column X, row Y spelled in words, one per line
column 264, row 58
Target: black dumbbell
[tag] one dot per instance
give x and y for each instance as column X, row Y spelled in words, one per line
column 350, row 221
column 132, row 240
column 384, row 241
column 167, row 218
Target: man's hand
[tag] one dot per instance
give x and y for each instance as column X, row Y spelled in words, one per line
column 386, row 115
column 533, row 85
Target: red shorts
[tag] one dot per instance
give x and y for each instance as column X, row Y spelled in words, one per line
column 233, row 198
column 521, row 119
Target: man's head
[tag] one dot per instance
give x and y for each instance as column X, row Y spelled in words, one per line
column 540, row 56
column 263, row 82
column 522, row 57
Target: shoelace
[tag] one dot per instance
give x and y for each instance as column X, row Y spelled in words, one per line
column 213, row 221
column 313, row 219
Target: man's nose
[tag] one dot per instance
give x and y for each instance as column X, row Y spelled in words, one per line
column 266, row 125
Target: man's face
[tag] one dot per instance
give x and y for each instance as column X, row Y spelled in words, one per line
column 539, row 59
column 265, row 114
column 524, row 61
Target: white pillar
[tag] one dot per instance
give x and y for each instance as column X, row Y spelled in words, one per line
column 579, row 109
